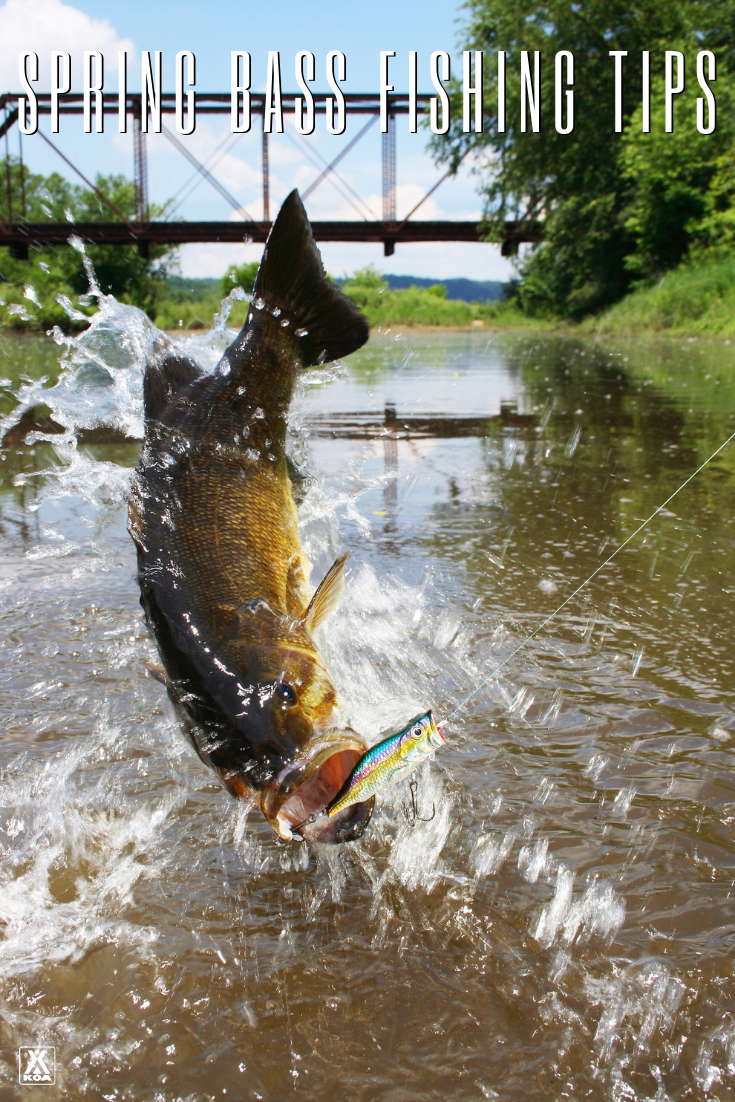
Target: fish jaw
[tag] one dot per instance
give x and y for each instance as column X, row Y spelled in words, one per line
column 295, row 804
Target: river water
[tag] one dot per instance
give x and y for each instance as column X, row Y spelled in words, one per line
column 555, row 918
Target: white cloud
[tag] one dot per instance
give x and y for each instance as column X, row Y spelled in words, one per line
column 211, row 261
column 42, row 26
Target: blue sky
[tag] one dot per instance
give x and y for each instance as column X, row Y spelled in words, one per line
column 211, row 32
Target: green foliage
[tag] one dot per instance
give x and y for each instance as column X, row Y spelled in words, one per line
column 581, row 264
column 366, row 287
column 244, row 277
column 195, row 311
column 692, row 299
column 438, row 290
column 187, row 303
column 600, row 195
column 421, row 305
column 411, row 306
column 680, row 181
column 182, row 313
column 119, row 269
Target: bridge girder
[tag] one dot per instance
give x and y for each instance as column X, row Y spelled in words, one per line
column 44, row 234
column 18, row 237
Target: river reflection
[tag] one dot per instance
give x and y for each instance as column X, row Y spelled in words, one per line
column 563, row 927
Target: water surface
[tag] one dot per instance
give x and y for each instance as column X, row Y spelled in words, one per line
column 563, row 926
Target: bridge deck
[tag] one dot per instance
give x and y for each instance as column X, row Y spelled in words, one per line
column 179, row 233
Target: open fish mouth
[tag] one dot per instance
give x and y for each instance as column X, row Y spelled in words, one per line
column 295, row 805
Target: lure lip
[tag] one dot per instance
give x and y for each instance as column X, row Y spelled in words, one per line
column 309, row 784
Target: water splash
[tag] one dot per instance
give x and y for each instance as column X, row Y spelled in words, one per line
column 124, row 863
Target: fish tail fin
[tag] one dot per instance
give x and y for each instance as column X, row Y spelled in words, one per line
column 292, row 280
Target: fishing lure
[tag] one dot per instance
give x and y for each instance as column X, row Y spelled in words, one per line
column 390, row 760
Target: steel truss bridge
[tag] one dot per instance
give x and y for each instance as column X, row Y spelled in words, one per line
column 18, row 235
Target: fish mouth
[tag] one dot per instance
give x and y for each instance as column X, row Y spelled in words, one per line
column 295, row 804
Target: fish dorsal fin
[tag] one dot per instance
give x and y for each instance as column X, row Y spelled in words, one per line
column 327, row 597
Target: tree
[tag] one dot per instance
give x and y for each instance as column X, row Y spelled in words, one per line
column 578, row 184
column 244, row 277
column 120, row 269
column 681, row 200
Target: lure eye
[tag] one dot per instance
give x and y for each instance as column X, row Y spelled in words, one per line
column 417, row 731
column 286, row 694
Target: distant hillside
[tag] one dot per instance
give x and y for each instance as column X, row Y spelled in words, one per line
column 468, row 290
column 181, row 289
column 191, row 303
column 462, row 290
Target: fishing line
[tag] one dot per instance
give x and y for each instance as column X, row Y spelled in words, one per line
column 580, row 587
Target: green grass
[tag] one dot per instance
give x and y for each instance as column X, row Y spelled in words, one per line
column 409, row 306
column 195, row 313
column 692, row 300
column 192, row 304
column 184, row 306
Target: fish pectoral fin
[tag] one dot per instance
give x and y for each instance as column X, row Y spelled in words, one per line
column 327, row 597
column 225, row 621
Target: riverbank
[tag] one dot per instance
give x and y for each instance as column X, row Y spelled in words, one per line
column 694, row 300
column 414, row 307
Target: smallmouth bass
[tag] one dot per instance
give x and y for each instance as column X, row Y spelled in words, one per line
column 223, row 578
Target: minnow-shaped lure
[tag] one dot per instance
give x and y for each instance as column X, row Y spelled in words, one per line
column 390, row 760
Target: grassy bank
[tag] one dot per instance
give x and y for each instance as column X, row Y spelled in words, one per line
column 692, row 300
column 426, row 306
column 191, row 304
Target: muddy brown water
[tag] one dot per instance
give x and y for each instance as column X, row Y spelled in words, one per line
column 559, row 922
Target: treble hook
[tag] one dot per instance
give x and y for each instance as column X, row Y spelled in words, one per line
column 412, row 814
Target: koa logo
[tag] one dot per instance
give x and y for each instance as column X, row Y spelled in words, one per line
column 37, row 1066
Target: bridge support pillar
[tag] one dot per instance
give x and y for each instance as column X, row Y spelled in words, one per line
column 389, row 180
column 140, row 170
column 266, row 181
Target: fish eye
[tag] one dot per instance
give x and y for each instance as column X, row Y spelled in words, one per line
column 417, row 731
column 286, row 694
